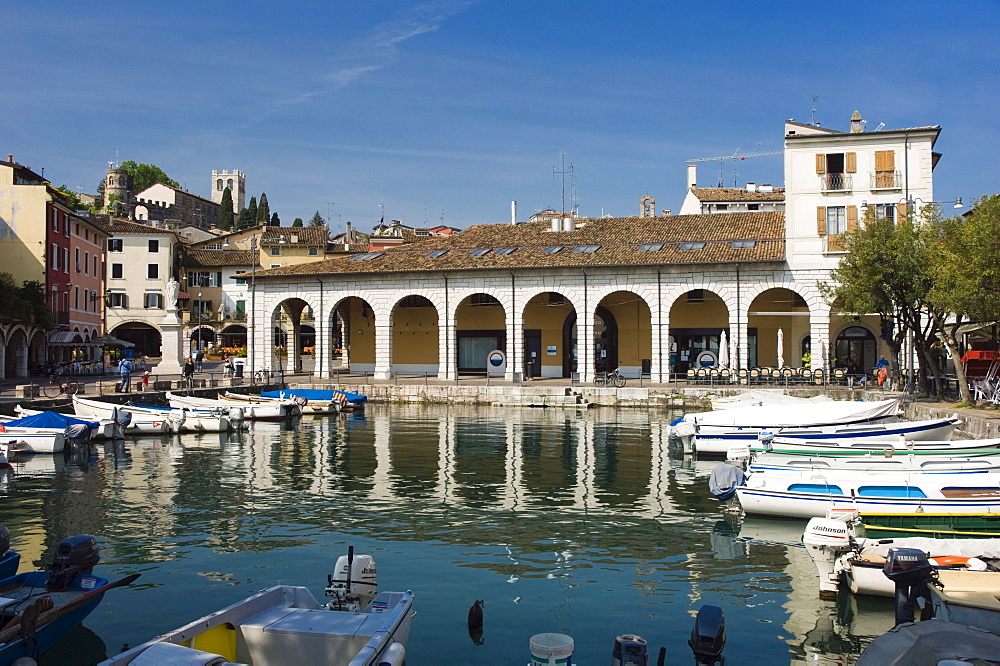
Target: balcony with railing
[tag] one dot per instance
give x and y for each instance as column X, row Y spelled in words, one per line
column 836, row 182
column 834, row 243
column 887, row 180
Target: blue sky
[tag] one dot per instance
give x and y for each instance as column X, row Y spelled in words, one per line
column 448, row 110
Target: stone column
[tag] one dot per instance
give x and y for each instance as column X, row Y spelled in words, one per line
column 383, row 346
column 447, row 349
column 585, row 348
column 172, row 345
column 515, row 341
column 322, row 345
column 819, row 338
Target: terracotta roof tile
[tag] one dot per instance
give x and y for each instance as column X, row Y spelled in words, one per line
column 736, row 194
column 618, row 240
column 217, row 258
column 304, row 235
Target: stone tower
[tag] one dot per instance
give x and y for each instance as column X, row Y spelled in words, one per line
column 118, row 182
column 235, row 182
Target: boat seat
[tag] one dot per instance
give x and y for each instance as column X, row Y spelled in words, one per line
column 305, row 636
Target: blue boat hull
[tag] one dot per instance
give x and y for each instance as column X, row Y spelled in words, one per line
column 49, row 633
column 9, row 563
column 356, row 400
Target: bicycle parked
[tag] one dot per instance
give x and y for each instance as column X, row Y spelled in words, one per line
column 262, row 377
column 59, row 385
column 613, row 378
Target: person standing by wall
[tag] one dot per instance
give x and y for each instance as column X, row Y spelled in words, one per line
column 199, row 358
column 188, row 371
column 125, row 369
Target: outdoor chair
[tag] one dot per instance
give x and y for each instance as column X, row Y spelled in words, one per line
column 702, row 374
column 742, row 375
column 725, row 376
column 839, row 376
column 818, row 375
column 754, row 375
column 691, row 375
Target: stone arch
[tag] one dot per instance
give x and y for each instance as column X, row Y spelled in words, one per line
column 647, row 206
column 774, row 308
column 550, row 337
column 697, row 319
column 282, row 332
column 145, row 336
column 623, row 334
column 855, row 348
column 415, row 336
column 352, row 326
column 480, row 321
column 16, row 353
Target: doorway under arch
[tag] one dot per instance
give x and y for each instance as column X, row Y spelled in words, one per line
column 855, row 350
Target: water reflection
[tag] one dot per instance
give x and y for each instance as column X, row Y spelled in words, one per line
column 585, row 523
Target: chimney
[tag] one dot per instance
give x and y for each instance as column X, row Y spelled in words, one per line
column 857, row 124
column 10, row 158
column 556, row 224
column 513, row 212
column 692, row 179
column 568, row 224
column 765, row 189
column 751, row 187
column 348, row 237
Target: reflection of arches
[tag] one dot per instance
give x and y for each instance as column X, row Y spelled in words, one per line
column 855, row 350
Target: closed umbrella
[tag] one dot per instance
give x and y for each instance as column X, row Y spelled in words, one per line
column 723, row 351
column 781, row 348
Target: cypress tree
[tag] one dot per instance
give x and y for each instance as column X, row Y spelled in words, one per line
column 263, row 210
column 226, row 210
column 251, row 211
column 275, row 221
column 297, row 222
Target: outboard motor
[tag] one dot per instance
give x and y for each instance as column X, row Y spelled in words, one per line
column 236, row 416
column 353, row 583
column 75, row 555
column 765, row 439
column 910, row 570
column 300, row 401
column 708, row 637
column 630, row 649
column 123, row 418
column 826, row 539
column 78, row 434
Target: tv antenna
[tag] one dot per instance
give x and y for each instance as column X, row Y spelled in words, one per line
column 736, row 156
column 564, row 171
column 813, row 109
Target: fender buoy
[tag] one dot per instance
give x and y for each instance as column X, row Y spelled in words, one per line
column 2, row 428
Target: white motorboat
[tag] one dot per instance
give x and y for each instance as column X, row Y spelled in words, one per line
column 810, row 493
column 306, row 405
column 251, row 410
column 852, row 447
column 842, row 557
column 901, row 462
column 715, row 432
column 187, row 419
column 32, row 440
column 139, row 424
column 285, row 624
column 99, row 429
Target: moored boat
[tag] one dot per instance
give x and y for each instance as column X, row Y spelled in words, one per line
column 853, row 447
column 348, row 399
column 107, row 410
column 807, row 493
column 933, row 525
column 37, row 608
column 33, row 440
column 251, row 410
column 99, row 428
column 9, row 559
column 187, row 419
column 285, row 624
column 914, row 462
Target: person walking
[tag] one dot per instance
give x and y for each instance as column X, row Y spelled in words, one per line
column 125, row 369
column 145, row 382
column 198, row 359
column 188, row 371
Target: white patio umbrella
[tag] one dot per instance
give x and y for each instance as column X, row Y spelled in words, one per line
column 723, row 351
column 781, row 348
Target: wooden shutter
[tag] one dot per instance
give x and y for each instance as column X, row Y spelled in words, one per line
column 851, row 162
column 885, row 160
column 821, row 220
column 852, row 219
column 900, row 212
column 821, row 163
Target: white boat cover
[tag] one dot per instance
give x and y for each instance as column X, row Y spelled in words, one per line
column 759, row 398
column 780, row 416
column 982, row 548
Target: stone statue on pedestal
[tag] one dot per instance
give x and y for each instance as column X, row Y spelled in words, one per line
column 173, row 289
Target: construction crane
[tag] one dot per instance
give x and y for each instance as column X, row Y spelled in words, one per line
column 735, row 157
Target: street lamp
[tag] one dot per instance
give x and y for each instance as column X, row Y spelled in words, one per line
column 252, row 319
column 201, row 313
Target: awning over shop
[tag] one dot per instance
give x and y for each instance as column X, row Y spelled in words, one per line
column 65, row 338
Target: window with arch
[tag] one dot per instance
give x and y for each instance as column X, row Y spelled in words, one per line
column 229, row 184
column 218, row 184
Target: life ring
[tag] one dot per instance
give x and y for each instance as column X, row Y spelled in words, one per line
column 949, row 561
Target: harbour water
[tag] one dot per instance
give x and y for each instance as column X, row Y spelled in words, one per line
column 576, row 522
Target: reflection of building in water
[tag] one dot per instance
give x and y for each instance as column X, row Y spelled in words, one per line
column 823, row 632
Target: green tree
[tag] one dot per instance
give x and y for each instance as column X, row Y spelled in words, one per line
column 964, row 255
column 145, row 175
column 251, row 210
column 317, row 220
column 72, row 200
column 226, row 210
column 263, row 210
column 297, row 222
column 885, row 272
column 275, row 220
